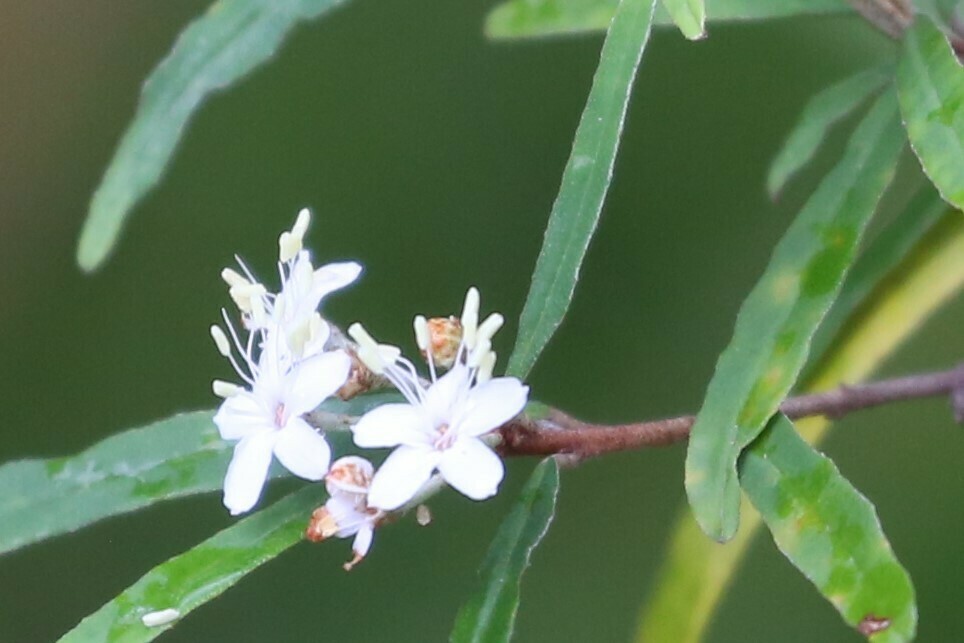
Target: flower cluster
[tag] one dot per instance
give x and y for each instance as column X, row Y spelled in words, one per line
column 285, row 354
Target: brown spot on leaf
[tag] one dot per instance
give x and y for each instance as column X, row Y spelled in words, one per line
column 872, row 624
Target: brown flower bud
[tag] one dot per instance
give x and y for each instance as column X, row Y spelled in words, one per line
column 322, row 525
column 445, row 336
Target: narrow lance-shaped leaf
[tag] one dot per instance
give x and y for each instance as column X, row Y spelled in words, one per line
column 778, row 318
column 489, row 615
column 228, row 42
column 534, row 18
column 829, row 531
column 689, row 16
column 820, row 114
column 191, row 579
column 697, row 570
column 585, row 182
column 179, row 456
column 930, row 85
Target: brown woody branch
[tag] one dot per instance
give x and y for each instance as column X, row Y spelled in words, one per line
column 559, row 433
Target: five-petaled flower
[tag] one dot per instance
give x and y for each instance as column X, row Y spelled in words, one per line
column 286, row 368
column 440, row 426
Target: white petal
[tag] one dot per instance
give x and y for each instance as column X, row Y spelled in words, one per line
column 400, row 477
column 314, row 380
column 241, row 415
column 363, row 540
column 332, row 277
column 490, row 405
column 392, row 424
column 302, row 450
column 472, row 468
column 343, row 509
column 443, row 396
column 247, row 471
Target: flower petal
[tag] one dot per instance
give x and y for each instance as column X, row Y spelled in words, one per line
column 392, row 424
column 490, row 405
column 247, row 471
column 314, row 380
column 332, row 277
column 363, row 540
column 442, row 397
column 240, row 416
column 302, row 450
column 472, row 468
column 400, row 477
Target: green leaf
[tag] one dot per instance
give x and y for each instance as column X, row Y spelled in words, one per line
column 778, row 318
column 179, row 456
column 233, row 38
column 884, row 252
column 828, row 530
column 534, row 18
column 820, row 114
column 930, row 86
column 191, row 579
column 585, row 182
column 697, row 571
column 489, row 615
column 689, row 16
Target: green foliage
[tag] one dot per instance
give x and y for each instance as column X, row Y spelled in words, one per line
column 829, row 531
column 179, row 456
column 822, row 111
column 191, row 579
column 689, row 16
column 585, row 183
column 690, row 585
column 930, row 86
column 535, row 18
column 489, row 615
column 778, row 318
column 215, row 51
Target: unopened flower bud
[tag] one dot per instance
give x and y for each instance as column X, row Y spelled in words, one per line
column 444, row 337
column 351, row 474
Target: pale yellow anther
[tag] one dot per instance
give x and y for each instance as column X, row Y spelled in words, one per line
column 485, row 368
column 479, row 352
column 291, row 243
column 490, row 327
column 234, row 279
column 389, row 353
column 258, row 313
column 470, row 317
column 288, row 247
column 224, row 389
column 221, row 340
column 244, row 295
column 368, row 349
column 301, row 223
column 421, row 332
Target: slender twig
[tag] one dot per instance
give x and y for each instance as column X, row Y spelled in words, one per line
column 560, row 433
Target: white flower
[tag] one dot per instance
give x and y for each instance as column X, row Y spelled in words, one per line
column 294, row 308
column 266, row 420
column 439, row 429
column 346, row 513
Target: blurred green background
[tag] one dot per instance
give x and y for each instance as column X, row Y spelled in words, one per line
column 433, row 157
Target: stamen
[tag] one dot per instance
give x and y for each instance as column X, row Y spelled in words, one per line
column 232, row 278
column 291, row 243
column 486, row 366
column 221, row 340
column 478, row 353
column 421, row 333
column 470, row 317
column 225, row 389
column 368, row 349
column 490, row 327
